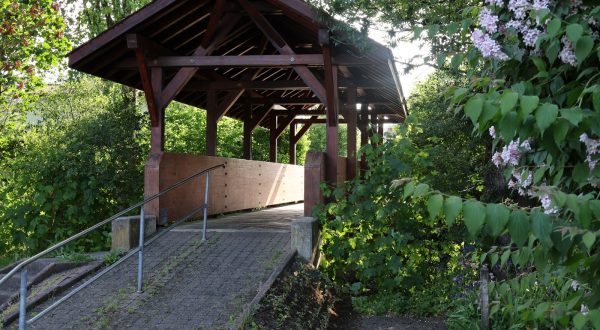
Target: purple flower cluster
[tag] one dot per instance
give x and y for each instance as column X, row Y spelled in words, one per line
column 511, row 153
column 488, row 20
column 592, row 149
column 567, row 55
column 519, row 8
column 521, row 182
column 488, row 47
column 498, row 3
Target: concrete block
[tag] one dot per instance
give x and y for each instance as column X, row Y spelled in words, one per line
column 126, row 231
column 305, row 235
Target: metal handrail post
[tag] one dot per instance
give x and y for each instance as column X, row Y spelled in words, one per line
column 23, row 300
column 141, row 252
column 205, row 207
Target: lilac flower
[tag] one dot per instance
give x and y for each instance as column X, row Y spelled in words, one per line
column 526, row 145
column 488, row 47
column 511, row 154
column 541, row 4
column 488, row 20
column 592, row 148
column 519, row 8
column 498, row 3
column 492, row 131
column 567, row 55
column 497, row 159
column 530, row 36
column 547, row 204
column 517, row 25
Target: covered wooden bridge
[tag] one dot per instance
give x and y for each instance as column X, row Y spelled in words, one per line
column 268, row 63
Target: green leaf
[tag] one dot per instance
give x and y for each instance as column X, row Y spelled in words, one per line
column 560, row 130
column 508, row 101
column 581, row 173
column 583, row 48
column 579, row 321
column 508, row 126
column 504, row 258
column 574, row 32
column 434, row 205
column 554, row 27
column 596, row 98
column 595, row 208
column 496, row 217
column 545, row 116
column 473, row 108
column 573, row 115
column 594, row 316
column 588, row 240
column 452, row 208
column 518, row 227
column 553, row 50
column 540, row 310
column 528, row 104
column 409, row 188
column 474, row 214
column 539, row 63
column 421, row 189
column 541, row 225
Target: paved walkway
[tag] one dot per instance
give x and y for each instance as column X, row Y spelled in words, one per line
column 187, row 284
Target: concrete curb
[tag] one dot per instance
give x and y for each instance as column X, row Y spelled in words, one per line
column 252, row 306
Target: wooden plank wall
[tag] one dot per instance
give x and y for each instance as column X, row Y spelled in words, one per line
column 241, row 185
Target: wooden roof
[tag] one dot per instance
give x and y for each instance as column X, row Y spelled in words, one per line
column 250, row 66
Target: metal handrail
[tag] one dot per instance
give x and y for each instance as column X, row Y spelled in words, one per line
column 140, row 249
column 102, row 223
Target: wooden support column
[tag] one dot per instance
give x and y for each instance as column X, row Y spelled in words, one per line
column 211, row 123
column 380, row 130
column 332, row 110
column 293, row 143
column 273, row 140
column 373, row 129
column 364, row 134
column 351, row 131
column 248, row 136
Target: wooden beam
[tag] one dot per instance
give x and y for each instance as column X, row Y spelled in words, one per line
column 151, row 98
column 260, row 117
column 332, row 104
column 248, row 137
column 211, row 123
column 350, row 115
column 273, row 140
column 228, row 102
column 293, row 144
column 274, row 84
column 307, row 124
column 238, row 61
column 183, row 76
column 283, row 48
column 282, row 125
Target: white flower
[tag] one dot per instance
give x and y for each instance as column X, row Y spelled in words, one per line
column 517, row 25
column 547, row 204
column 526, row 145
column 575, row 285
column 497, row 159
column 511, row 154
column 584, row 310
column 492, row 131
column 592, row 148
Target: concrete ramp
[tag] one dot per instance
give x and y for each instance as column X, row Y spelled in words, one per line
column 189, row 284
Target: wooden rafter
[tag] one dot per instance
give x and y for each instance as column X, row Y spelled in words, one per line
column 283, row 48
column 307, row 124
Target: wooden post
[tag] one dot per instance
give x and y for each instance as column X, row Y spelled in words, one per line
column 380, row 127
column 364, row 134
column 248, row 137
column 314, row 174
column 293, row 143
column 331, row 90
column 373, row 129
column 351, row 131
column 211, row 123
column 273, row 140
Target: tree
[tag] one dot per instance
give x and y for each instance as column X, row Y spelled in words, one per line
column 31, row 41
